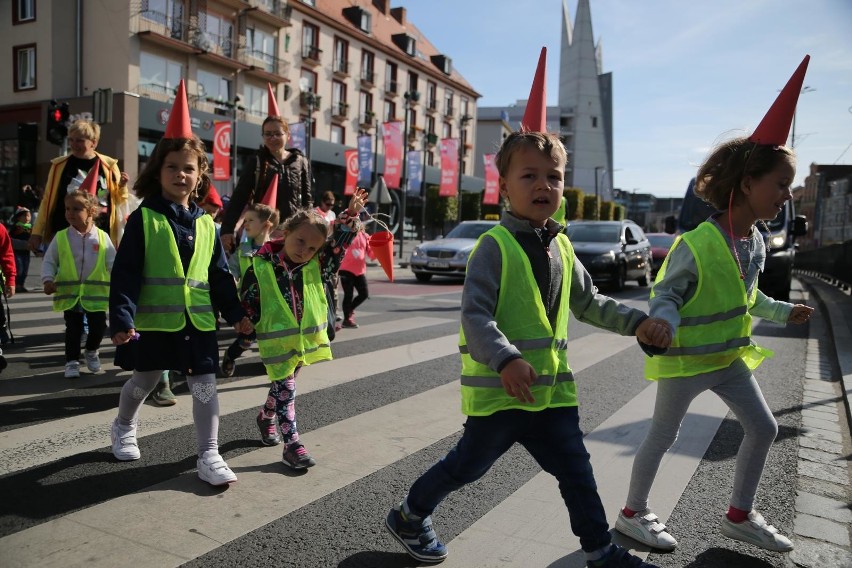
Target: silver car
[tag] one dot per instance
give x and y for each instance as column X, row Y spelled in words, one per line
column 447, row 256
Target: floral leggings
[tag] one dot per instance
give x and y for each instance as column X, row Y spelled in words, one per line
column 281, row 402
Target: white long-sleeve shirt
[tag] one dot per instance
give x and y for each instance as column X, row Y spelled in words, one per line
column 84, row 249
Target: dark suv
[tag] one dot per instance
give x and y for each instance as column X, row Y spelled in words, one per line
column 612, row 251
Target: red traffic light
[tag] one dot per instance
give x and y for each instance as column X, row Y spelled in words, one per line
column 57, row 115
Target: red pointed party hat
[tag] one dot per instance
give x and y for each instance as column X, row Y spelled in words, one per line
column 90, row 184
column 272, row 104
column 535, row 116
column 775, row 126
column 213, row 198
column 179, row 125
column 271, row 196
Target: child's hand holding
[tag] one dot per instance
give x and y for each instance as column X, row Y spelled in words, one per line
column 357, row 202
column 656, row 332
column 49, row 287
column 123, row 337
column 800, row 313
column 517, row 377
column 244, row 326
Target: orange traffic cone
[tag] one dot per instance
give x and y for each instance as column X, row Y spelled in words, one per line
column 382, row 245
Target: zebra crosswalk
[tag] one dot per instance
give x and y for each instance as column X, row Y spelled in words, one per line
column 375, row 417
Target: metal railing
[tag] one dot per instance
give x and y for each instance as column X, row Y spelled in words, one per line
column 340, row 109
column 311, row 52
column 263, row 60
column 368, row 76
column 341, row 66
column 161, row 24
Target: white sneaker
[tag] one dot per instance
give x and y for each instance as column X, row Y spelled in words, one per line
column 72, row 370
column 755, row 530
column 124, row 444
column 213, row 469
column 645, row 527
column 93, row 362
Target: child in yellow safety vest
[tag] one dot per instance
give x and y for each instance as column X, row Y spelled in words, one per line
column 76, row 271
column 706, row 291
column 284, row 297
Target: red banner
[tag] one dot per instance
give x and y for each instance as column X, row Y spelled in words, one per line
column 351, row 159
column 221, row 150
column 392, row 135
column 491, row 195
column 449, row 167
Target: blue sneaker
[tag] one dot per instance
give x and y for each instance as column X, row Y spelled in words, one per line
column 618, row 557
column 416, row 536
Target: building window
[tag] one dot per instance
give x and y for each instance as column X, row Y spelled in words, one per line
column 25, row 67
column 213, row 87
column 23, row 11
column 261, row 45
column 430, row 125
column 448, row 102
column 465, row 106
column 167, row 13
column 432, row 95
column 368, row 66
column 341, row 56
column 594, row 122
column 338, row 134
column 390, row 77
column 365, row 108
column 338, row 99
column 256, row 100
column 310, row 79
column 158, row 76
column 448, row 131
column 310, row 41
column 215, row 33
column 412, row 81
column 390, row 111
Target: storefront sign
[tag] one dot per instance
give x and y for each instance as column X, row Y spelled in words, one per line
column 222, row 150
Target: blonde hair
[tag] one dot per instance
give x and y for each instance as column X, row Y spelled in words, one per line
column 545, row 142
column 307, row 217
column 86, row 129
column 89, row 201
column 265, row 213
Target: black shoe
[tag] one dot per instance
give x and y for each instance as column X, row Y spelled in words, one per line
column 268, row 430
column 228, row 366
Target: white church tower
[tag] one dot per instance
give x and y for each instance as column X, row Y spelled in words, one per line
column 585, row 105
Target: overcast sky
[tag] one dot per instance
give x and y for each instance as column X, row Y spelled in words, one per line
column 686, row 75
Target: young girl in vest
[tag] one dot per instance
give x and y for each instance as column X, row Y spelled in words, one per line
column 258, row 223
column 283, row 294
column 169, row 272
column 353, row 277
column 76, row 271
column 707, row 291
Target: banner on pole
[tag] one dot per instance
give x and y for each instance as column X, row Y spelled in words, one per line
column 491, row 195
column 392, row 134
column 449, row 167
column 365, row 160
column 351, row 158
column 415, row 172
column 297, row 136
column 222, row 150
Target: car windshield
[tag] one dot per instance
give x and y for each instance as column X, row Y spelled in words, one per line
column 661, row 241
column 594, row 233
column 468, row 230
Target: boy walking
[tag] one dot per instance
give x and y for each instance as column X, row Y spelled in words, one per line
column 516, row 383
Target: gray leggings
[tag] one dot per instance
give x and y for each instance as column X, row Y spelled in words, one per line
column 205, row 404
column 737, row 387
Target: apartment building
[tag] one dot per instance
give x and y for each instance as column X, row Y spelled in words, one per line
column 340, row 66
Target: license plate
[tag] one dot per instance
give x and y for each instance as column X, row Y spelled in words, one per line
column 438, row 264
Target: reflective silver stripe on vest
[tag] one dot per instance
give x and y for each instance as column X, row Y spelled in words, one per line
column 154, row 281
column 64, row 296
column 316, row 329
column 200, row 309
column 277, row 334
column 97, row 282
column 66, row 282
column 159, row 309
column 290, row 354
column 712, row 348
column 197, row 284
column 95, row 298
column 701, row 320
column 494, row 382
column 528, row 344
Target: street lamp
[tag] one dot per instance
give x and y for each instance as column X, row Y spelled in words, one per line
column 411, row 97
column 597, row 194
column 311, row 100
column 462, row 134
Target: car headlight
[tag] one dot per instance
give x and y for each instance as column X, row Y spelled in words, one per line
column 416, row 253
column 462, row 255
column 606, row 258
column 777, row 241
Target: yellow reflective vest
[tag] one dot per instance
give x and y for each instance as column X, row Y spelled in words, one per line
column 521, row 316
column 715, row 325
column 167, row 293
column 284, row 343
column 93, row 292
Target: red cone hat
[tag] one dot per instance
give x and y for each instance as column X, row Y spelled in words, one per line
column 775, row 126
column 179, row 125
column 535, row 116
column 90, row 184
column 272, row 104
column 271, row 196
column 213, row 198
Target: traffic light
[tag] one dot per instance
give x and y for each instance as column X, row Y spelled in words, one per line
column 57, row 122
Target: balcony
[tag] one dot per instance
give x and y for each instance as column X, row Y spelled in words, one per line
column 391, row 89
column 264, row 65
column 449, row 112
column 163, row 29
column 432, row 106
column 311, row 55
column 305, row 100
column 340, row 68
column 339, row 111
column 156, row 92
column 368, row 78
column 275, row 12
column 367, row 120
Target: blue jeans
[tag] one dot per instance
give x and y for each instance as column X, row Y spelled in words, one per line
column 551, row 436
